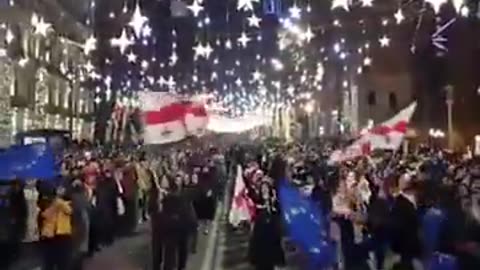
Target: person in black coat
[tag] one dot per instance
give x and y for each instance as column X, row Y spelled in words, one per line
column 322, row 197
column 178, row 225
column 405, row 228
column 377, row 223
column 206, row 202
column 171, row 223
column 158, row 194
column 265, row 250
column 16, row 213
column 192, row 193
column 105, row 212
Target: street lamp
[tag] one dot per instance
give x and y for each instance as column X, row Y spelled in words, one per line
column 449, row 101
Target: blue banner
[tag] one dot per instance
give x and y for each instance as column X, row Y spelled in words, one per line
column 431, row 224
column 27, row 162
column 307, row 227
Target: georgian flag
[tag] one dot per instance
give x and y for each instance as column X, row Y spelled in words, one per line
column 388, row 135
column 242, row 208
column 168, row 118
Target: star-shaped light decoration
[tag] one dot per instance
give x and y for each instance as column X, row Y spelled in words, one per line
column 295, row 12
column 436, row 4
column 195, row 7
column 256, row 76
column 243, row 40
column 207, row 50
column 161, row 81
column 198, row 50
column 308, row 35
column 88, row 66
column 173, row 59
column 147, row 31
column 122, row 42
column 384, row 41
column 340, row 4
column 41, row 27
column 367, row 3
column 246, row 5
column 254, row 21
column 90, row 44
column 367, row 61
column 171, row 82
column 131, row 57
column 238, row 82
column 144, row 64
column 228, row 44
column 399, row 16
column 137, row 21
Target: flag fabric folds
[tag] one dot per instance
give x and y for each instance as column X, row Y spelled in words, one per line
column 242, row 208
column 223, row 124
column 307, row 226
column 388, row 135
column 168, row 118
column 27, row 162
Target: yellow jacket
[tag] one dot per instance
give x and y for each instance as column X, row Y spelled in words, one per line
column 57, row 219
column 144, row 177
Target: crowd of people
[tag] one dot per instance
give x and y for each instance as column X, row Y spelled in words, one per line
column 99, row 197
column 389, row 211
column 386, row 211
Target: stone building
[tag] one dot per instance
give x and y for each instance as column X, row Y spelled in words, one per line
column 42, row 69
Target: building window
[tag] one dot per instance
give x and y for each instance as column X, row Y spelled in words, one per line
column 392, row 101
column 372, row 98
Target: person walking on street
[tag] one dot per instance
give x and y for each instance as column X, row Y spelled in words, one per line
column 56, row 232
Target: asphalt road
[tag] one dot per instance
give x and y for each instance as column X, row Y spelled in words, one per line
column 129, row 253
column 134, row 253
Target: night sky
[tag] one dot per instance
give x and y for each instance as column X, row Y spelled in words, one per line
column 430, row 67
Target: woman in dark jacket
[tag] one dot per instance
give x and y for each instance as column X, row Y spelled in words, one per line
column 205, row 205
column 265, row 250
column 106, row 212
column 192, row 193
column 171, row 225
column 158, row 221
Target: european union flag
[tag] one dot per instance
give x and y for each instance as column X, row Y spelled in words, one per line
column 307, row 227
column 27, row 162
column 431, row 225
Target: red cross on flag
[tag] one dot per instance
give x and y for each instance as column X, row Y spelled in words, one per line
column 168, row 118
column 242, row 207
column 388, row 135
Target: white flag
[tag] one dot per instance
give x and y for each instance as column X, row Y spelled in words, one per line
column 388, row 135
column 240, row 209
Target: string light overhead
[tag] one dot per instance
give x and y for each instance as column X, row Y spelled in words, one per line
column 340, row 4
column 196, row 7
column 122, row 42
column 246, row 5
column 138, row 21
